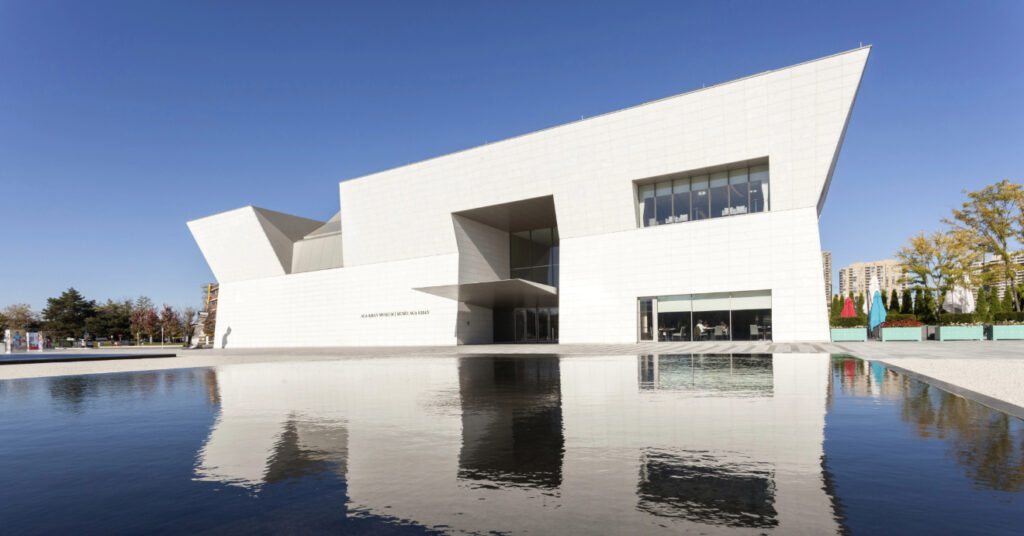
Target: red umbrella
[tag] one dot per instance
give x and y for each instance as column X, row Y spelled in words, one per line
column 848, row 311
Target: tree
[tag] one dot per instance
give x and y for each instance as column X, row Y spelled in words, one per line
column 981, row 308
column 112, row 319
column 919, row 302
column 995, row 215
column 188, row 318
column 994, row 303
column 859, row 304
column 1008, row 305
column 144, row 319
column 170, row 322
column 906, row 303
column 19, row 316
column 894, row 301
column 66, row 314
column 937, row 262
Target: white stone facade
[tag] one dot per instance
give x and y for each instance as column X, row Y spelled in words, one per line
column 398, row 233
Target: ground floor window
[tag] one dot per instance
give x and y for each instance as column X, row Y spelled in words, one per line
column 721, row 316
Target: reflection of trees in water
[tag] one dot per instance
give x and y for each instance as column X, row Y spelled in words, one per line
column 74, row 392
column 989, row 444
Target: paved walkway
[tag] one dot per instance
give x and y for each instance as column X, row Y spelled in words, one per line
column 991, row 372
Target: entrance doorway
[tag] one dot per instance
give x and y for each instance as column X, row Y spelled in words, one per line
column 536, row 324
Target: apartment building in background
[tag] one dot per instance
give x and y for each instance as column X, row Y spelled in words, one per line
column 826, row 266
column 856, row 277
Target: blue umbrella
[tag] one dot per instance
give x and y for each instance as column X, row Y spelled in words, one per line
column 877, row 315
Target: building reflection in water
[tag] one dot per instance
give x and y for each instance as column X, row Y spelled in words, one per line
column 612, row 444
column 708, row 489
column 709, row 374
column 511, row 421
column 988, row 444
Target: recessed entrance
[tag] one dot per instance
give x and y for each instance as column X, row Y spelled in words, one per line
column 535, row 324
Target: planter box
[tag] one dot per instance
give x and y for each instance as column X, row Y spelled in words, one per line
column 849, row 334
column 961, row 333
column 901, row 334
column 1002, row 333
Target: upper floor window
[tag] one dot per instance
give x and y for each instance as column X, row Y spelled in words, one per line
column 736, row 190
column 533, row 255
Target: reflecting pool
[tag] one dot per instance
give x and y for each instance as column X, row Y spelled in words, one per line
column 751, row 444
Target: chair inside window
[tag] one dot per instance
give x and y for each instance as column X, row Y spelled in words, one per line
column 719, row 332
column 754, row 332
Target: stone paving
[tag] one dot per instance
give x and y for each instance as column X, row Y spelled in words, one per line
column 991, row 372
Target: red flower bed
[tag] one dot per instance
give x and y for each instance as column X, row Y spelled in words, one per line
column 902, row 324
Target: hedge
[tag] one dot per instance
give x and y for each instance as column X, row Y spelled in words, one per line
column 957, row 318
column 850, row 322
column 892, row 317
column 1009, row 317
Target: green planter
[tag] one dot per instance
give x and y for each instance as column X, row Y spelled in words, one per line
column 961, row 333
column 901, row 334
column 849, row 334
column 1002, row 333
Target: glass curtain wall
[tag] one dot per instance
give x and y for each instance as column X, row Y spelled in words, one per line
column 733, row 192
column 722, row 316
column 533, row 255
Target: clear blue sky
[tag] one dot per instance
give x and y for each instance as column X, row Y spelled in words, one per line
column 120, row 121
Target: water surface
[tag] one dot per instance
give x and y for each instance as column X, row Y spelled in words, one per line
column 746, row 444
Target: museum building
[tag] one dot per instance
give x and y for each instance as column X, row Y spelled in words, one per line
column 693, row 217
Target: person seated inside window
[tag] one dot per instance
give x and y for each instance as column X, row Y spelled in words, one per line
column 701, row 328
column 725, row 328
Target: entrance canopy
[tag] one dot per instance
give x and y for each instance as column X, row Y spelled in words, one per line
column 502, row 293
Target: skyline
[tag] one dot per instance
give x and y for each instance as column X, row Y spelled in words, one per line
column 199, row 118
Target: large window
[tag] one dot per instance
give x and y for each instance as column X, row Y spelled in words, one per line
column 721, row 316
column 735, row 191
column 533, row 255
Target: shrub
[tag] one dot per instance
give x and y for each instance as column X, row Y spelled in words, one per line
column 901, row 324
column 851, row 322
column 952, row 319
column 1009, row 318
column 892, row 317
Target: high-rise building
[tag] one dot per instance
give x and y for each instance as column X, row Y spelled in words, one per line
column 993, row 262
column 856, row 277
column 826, row 265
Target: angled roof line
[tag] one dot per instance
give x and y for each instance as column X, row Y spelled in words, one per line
column 720, row 84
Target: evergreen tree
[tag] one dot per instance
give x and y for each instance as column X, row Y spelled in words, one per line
column 837, row 307
column 894, row 302
column 859, row 305
column 919, row 305
column 981, row 309
column 66, row 314
column 928, row 316
column 1007, row 306
column 995, row 305
column 906, row 304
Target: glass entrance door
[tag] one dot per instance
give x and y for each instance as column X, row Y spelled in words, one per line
column 536, row 324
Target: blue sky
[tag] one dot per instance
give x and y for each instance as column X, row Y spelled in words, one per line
column 120, row 121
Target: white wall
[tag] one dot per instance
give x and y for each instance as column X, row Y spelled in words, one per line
column 325, row 308
column 483, row 251
column 602, row 276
